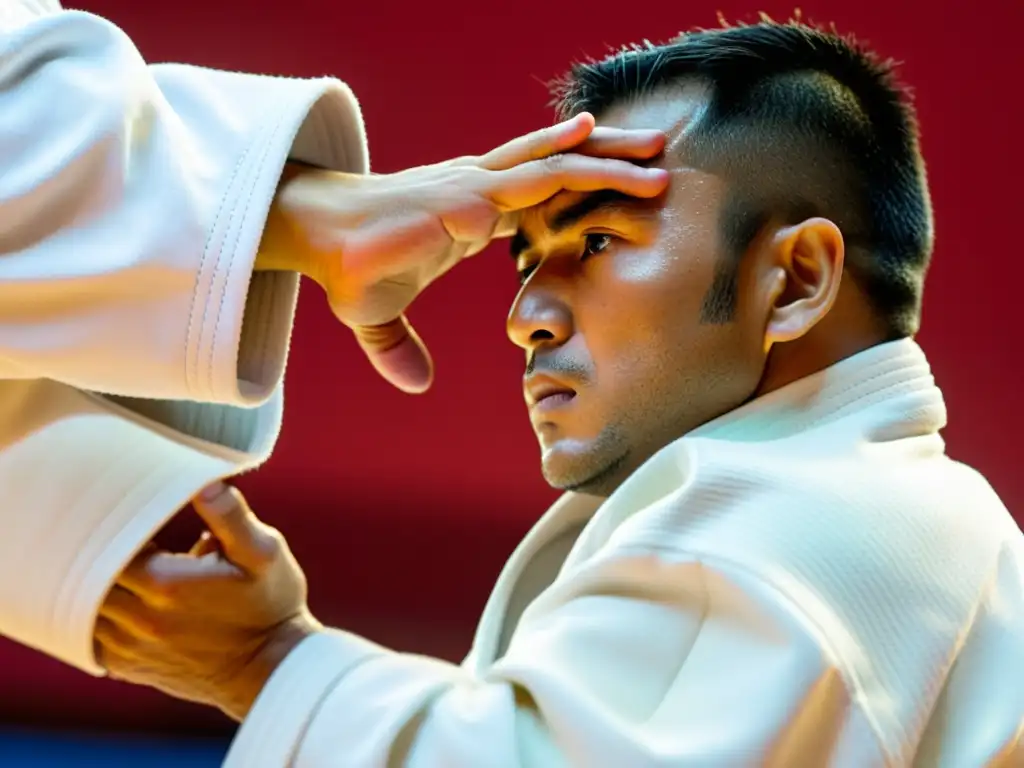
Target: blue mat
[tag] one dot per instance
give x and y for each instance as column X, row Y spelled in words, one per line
column 57, row 750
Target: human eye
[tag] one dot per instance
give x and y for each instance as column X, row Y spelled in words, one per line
column 595, row 243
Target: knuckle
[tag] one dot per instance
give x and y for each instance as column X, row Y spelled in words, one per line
column 275, row 539
column 471, row 175
column 269, row 546
column 554, row 163
column 460, row 162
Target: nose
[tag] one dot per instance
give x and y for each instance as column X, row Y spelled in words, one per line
column 539, row 318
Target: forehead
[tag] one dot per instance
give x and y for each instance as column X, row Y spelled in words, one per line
column 675, row 110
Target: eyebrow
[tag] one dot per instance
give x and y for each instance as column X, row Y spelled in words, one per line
column 605, row 201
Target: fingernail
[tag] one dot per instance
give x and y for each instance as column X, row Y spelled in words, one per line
column 213, row 491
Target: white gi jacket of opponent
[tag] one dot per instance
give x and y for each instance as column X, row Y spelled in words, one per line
column 807, row 581
column 140, row 357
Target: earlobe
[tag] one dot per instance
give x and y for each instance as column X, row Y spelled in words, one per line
column 808, row 269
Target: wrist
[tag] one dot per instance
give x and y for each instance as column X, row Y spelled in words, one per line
column 284, row 246
column 280, row 642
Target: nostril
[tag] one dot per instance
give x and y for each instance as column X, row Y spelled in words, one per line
column 541, row 335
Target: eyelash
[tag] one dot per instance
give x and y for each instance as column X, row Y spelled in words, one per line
column 525, row 272
column 588, row 239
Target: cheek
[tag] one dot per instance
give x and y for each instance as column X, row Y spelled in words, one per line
column 649, row 347
column 646, row 272
column 641, row 327
column 640, row 293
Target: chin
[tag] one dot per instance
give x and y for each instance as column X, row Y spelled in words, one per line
column 592, row 475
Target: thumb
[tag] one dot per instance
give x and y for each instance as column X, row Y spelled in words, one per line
column 243, row 539
column 398, row 354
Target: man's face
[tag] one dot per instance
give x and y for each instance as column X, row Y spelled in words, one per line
column 619, row 360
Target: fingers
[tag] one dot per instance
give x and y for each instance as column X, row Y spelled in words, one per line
column 112, row 644
column 621, row 143
column 244, row 540
column 128, row 613
column 398, row 354
column 540, row 144
column 578, row 135
column 206, row 544
column 534, row 182
column 157, row 577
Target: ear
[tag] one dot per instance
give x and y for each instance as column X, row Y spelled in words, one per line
column 806, row 267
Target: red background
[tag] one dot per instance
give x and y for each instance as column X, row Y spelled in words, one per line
column 403, row 509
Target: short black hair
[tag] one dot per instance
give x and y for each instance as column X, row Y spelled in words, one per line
column 801, row 122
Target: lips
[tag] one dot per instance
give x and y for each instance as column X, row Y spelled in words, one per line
column 543, row 391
